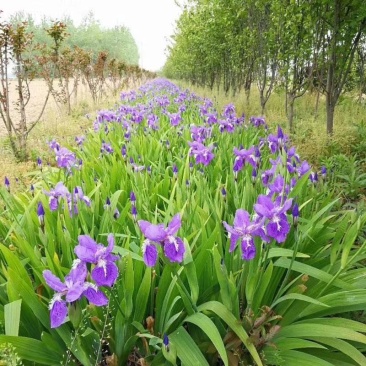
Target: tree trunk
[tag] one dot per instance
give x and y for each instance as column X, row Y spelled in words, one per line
column 22, row 131
column 291, row 110
column 330, row 114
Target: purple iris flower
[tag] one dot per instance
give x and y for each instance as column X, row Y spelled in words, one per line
column 128, row 135
column 123, row 151
column 313, row 177
column 182, row 108
column 291, row 167
column 295, row 213
column 137, row 168
column 116, row 214
column 60, row 191
column 304, row 168
column 133, row 197
column 244, row 156
column 211, row 118
column 258, row 121
column 226, row 125
column 201, row 153
column 54, row 145
column 254, row 175
column 277, row 226
column 157, row 234
column 40, row 214
column 175, row 170
column 65, row 158
column 229, row 110
column 175, row 118
column 73, row 289
column 137, row 116
column 152, row 121
column 79, row 140
column 243, row 230
column 200, row 134
column 268, row 174
column 107, row 203
column 278, row 187
column 106, row 148
column 273, row 143
column 163, row 101
column 105, row 271
column 166, row 341
column 323, row 171
column 291, row 153
column 7, row 183
column 240, row 120
column 134, row 212
column 281, row 137
column 79, row 195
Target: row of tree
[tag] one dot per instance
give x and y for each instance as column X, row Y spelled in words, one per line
column 299, row 45
column 61, row 66
column 89, row 36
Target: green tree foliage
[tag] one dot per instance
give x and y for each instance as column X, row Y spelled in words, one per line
column 90, row 36
column 292, row 44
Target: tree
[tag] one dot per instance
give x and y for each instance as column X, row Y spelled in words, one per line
column 341, row 25
column 295, row 21
column 15, row 45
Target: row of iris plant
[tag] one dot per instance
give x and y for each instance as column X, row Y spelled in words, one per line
column 251, row 216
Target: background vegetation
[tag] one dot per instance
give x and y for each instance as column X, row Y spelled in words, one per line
column 162, row 151
column 293, row 46
column 29, row 51
column 89, row 35
column 293, row 294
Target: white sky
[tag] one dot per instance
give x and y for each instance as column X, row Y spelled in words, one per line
column 151, row 22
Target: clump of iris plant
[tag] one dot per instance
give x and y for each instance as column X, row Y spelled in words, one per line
column 201, row 153
column 175, row 118
column 243, row 230
column 269, row 222
column 79, row 140
column 245, row 156
column 72, row 289
column 273, row 213
column 158, row 235
column 65, row 158
column 106, row 148
column 61, row 192
column 104, row 272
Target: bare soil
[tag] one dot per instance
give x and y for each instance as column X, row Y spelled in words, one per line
column 38, row 94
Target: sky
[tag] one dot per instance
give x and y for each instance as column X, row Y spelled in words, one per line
column 151, row 22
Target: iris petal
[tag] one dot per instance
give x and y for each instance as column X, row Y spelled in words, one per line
column 58, row 313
